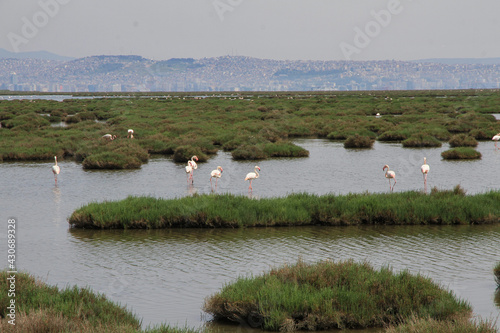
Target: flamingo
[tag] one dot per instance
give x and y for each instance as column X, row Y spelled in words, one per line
column 56, row 169
column 390, row 174
column 216, row 174
column 191, row 167
column 252, row 175
column 109, row 137
column 496, row 138
column 130, row 134
column 425, row 170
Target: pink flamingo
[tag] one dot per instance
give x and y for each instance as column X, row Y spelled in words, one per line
column 109, row 137
column 496, row 138
column 252, row 175
column 191, row 167
column 390, row 175
column 56, row 169
column 216, row 174
column 130, row 134
column 425, row 170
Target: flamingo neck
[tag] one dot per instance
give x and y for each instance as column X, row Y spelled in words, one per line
column 256, row 173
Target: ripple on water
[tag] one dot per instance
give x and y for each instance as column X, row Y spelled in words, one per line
column 165, row 275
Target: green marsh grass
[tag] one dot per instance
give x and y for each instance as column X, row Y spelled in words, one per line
column 462, row 140
column 227, row 210
column 421, row 140
column 458, row 325
column 461, row 153
column 41, row 308
column 358, row 141
column 329, row 295
column 258, row 126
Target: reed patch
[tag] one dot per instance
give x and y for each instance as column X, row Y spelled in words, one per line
column 332, row 295
column 231, row 211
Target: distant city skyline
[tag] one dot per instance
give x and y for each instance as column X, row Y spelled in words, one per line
column 278, row 29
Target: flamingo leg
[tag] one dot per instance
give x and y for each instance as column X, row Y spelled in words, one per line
column 250, row 186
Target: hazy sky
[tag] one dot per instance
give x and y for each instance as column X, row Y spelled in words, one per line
column 272, row 29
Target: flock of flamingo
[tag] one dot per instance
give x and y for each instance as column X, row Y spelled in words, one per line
column 192, row 165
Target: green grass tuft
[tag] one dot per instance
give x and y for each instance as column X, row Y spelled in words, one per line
column 329, row 295
column 461, row 153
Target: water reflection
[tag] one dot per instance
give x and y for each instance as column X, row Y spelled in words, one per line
column 185, row 266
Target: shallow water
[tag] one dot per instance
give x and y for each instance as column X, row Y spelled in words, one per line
column 164, row 275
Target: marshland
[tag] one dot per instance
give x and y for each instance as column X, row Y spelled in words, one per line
column 164, row 276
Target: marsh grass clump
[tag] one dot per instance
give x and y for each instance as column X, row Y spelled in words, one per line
column 227, row 210
column 421, row 140
column 461, row 153
column 111, row 160
column 394, row 135
column 428, row 325
column 43, row 308
column 284, row 149
column 329, row 295
column 496, row 273
column 358, row 141
column 249, row 152
column 462, row 140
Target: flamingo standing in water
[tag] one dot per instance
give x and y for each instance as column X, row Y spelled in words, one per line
column 496, row 138
column 56, row 169
column 109, row 137
column 216, row 174
column 252, row 175
column 390, row 175
column 130, row 134
column 191, row 167
column 425, row 170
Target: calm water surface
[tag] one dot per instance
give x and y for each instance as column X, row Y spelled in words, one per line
column 165, row 275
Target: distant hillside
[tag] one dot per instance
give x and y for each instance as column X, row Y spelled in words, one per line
column 42, row 55
column 462, row 61
column 240, row 73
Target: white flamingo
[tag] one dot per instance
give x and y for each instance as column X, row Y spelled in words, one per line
column 56, row 169
column 496, row 138
column 390, row 175
column 252, row 175
column 216, row 174
column 130, row 134
column 425, row 170
column 191, row 167
column 109, row 137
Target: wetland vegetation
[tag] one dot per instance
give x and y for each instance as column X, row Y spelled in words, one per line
column 249, row 125
column 43, row 308
column 329, row 295
column 231, row 211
